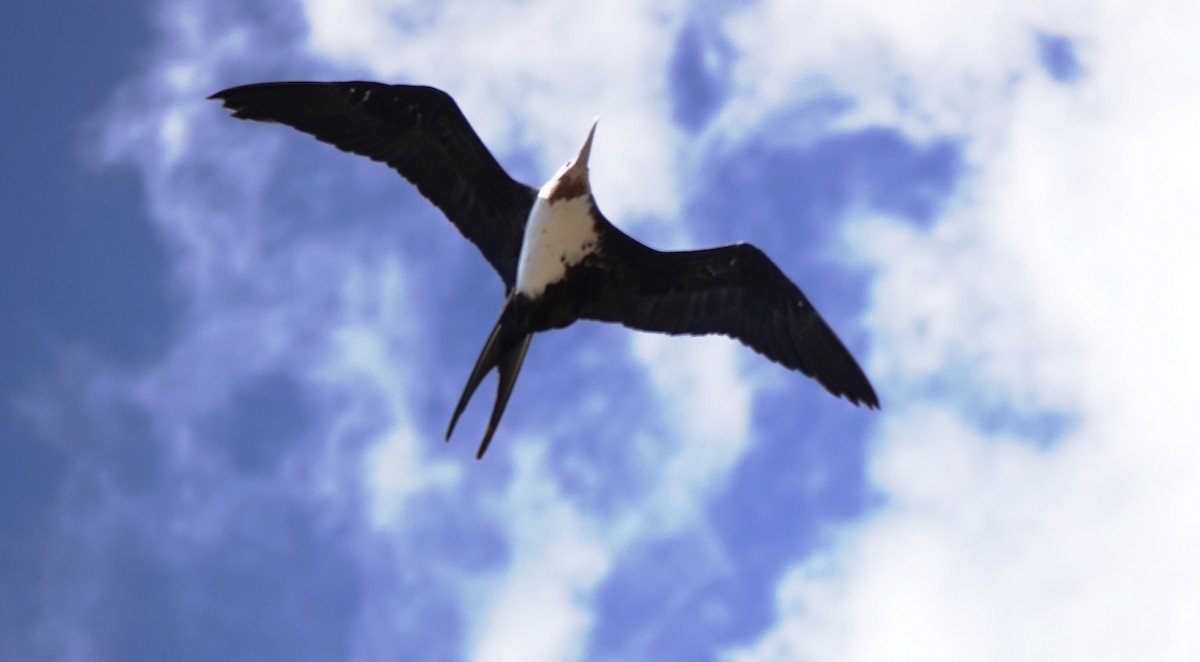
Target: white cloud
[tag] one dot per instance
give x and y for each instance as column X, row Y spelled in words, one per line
column 554, row 66
column 1054, row 281
column 707, row 403
column 540, row 608
column 549, row 66
column 1057, row 281
column 394, row 467
column 335, row 312
column 990, row 550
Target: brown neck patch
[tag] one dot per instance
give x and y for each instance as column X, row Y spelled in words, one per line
column 570, row 185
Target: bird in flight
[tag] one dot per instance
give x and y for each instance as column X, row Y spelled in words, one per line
column 560, row 259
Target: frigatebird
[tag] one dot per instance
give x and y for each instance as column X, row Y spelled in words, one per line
column 560, row 259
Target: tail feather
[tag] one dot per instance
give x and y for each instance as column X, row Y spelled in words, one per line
column 488, row 358
column 509, row 368
column 504, row 350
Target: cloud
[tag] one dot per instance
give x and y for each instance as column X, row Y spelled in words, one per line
column 541, row 608
column 1030, row 466
column 1051, row 286
column 295, row 399
column 551, row 68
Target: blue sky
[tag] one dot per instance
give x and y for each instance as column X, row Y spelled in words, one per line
column 231, row 351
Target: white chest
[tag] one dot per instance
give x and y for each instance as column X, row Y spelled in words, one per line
column 558, row 235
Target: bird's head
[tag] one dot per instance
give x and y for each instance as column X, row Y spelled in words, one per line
column 571, row 180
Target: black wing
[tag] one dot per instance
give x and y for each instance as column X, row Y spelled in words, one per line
column 735, row 291
column 418, row 131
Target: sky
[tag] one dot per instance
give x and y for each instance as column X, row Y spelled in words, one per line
column 230, row 351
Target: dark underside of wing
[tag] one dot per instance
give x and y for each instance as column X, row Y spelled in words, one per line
column 418, row 131
column 735, row 291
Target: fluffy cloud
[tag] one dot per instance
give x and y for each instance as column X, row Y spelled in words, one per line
column 1032, row 465
column 1055, row 285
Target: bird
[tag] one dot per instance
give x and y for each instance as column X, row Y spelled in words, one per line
column 561, row 260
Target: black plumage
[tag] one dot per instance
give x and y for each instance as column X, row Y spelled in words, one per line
column 420, row 132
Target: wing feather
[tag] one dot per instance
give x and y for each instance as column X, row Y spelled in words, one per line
column 739, row 292
column 422, row 134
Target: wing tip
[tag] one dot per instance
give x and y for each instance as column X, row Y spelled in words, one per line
column 863, row 398
column 834, row 367
column 229, row 94
column 855, row 386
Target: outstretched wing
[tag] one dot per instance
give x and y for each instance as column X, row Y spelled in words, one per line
column 735, row 291
column 418, row 131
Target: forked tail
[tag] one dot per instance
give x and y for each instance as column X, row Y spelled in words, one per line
column 505, row 350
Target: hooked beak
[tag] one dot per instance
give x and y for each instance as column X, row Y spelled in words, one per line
column 571, row 180
column 581, row 161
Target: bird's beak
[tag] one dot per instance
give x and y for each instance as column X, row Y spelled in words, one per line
column 581, row 161
column 572, row 178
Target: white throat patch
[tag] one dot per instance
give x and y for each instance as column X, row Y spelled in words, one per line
column 558, row 235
